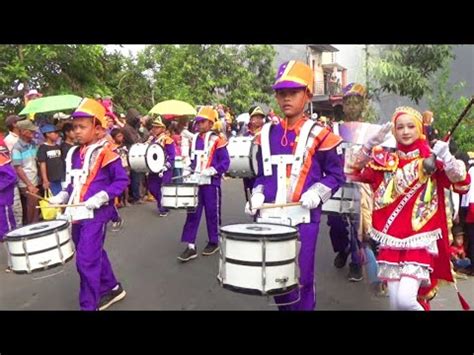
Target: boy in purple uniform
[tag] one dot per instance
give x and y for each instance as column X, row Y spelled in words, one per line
column 209, row 161
column 106, row 180
column 299, row 161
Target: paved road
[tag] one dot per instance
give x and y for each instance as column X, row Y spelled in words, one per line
column 144, row 255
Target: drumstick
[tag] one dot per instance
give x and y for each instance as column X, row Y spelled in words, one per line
column 62, row 206
column 180, row 176
column 264, row 207
column 37, row 196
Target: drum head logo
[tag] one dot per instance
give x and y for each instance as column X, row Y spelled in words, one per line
column 258, row 228
column 37, row 228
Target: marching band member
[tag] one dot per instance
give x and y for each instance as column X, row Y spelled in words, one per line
column 159, row 136
column 209, row 161
column 298, row 161
column 106, row 179
column 8, row 181
column 344, row 231
column 257, row 119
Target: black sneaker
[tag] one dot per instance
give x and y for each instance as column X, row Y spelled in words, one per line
column 341, row 259
column 355, row 272
column 163, row 213
column 188, row 254
column 112, row 297
column 116, row 226
column 210, row 249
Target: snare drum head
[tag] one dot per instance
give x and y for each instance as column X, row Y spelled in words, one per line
column 155, row 158
column 259, row 230
column 37, row 229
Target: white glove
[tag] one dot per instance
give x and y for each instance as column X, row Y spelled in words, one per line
column 380, row 136
column 209, row 172
column 97, row 201
column 441, row 150
column 160, row 174
column 310, row 199
column 257, row 201
column 59, row 199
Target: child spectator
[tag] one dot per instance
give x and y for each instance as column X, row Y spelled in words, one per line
column 52, row 165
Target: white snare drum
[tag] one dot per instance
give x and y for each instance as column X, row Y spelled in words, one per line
column 243, row 157
column 344, row 201
column 39, row 246
column 179, row 196
column 146, row 158
column 258, row 258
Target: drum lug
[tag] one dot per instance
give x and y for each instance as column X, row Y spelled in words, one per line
column 264, row 255
column 58, row 243
column 27, row 257
column 222, row 251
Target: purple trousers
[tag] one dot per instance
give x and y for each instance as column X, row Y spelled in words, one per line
column 154, row 186
column 93, row 265
column 342, row 237
column 307, row 291
column 7, row 220
column 115, row 215
column 209, row 198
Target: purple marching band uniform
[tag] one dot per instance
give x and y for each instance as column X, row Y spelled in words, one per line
column 209, row 194
column 102, row 180
column 249, row 182
column 8, row 181
column 93, row 265
column 297, row 163
column 326, row 175
column 155, row 181
column 343, row 230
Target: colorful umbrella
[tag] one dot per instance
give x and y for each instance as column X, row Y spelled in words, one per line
column 174, row 108
column 51, row 104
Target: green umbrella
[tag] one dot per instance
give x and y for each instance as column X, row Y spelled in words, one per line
column 51, row 104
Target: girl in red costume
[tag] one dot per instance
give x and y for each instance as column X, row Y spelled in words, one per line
column 409, row 218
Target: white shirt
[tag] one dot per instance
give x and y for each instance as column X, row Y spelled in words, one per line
column 10, row 140
column 469, row 197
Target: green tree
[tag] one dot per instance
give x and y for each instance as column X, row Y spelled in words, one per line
column 447, row 104
column 406, row 70
column 236, row 76
column 53, row 69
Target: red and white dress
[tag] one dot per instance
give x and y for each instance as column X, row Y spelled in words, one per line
column 409, row 218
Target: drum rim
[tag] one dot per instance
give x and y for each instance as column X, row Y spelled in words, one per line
column 43, row 250
column 255, row 237
column 146, row 160
column 258, row 238
column 45, row 268
column 256, row 292
column 183, row 184
column 259, row 263
column 37, row 234
column 253, row 169
column 128, row 155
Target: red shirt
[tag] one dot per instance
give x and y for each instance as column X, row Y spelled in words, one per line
column 457, row 252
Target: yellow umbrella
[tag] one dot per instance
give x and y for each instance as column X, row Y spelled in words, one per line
column 174, row 108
